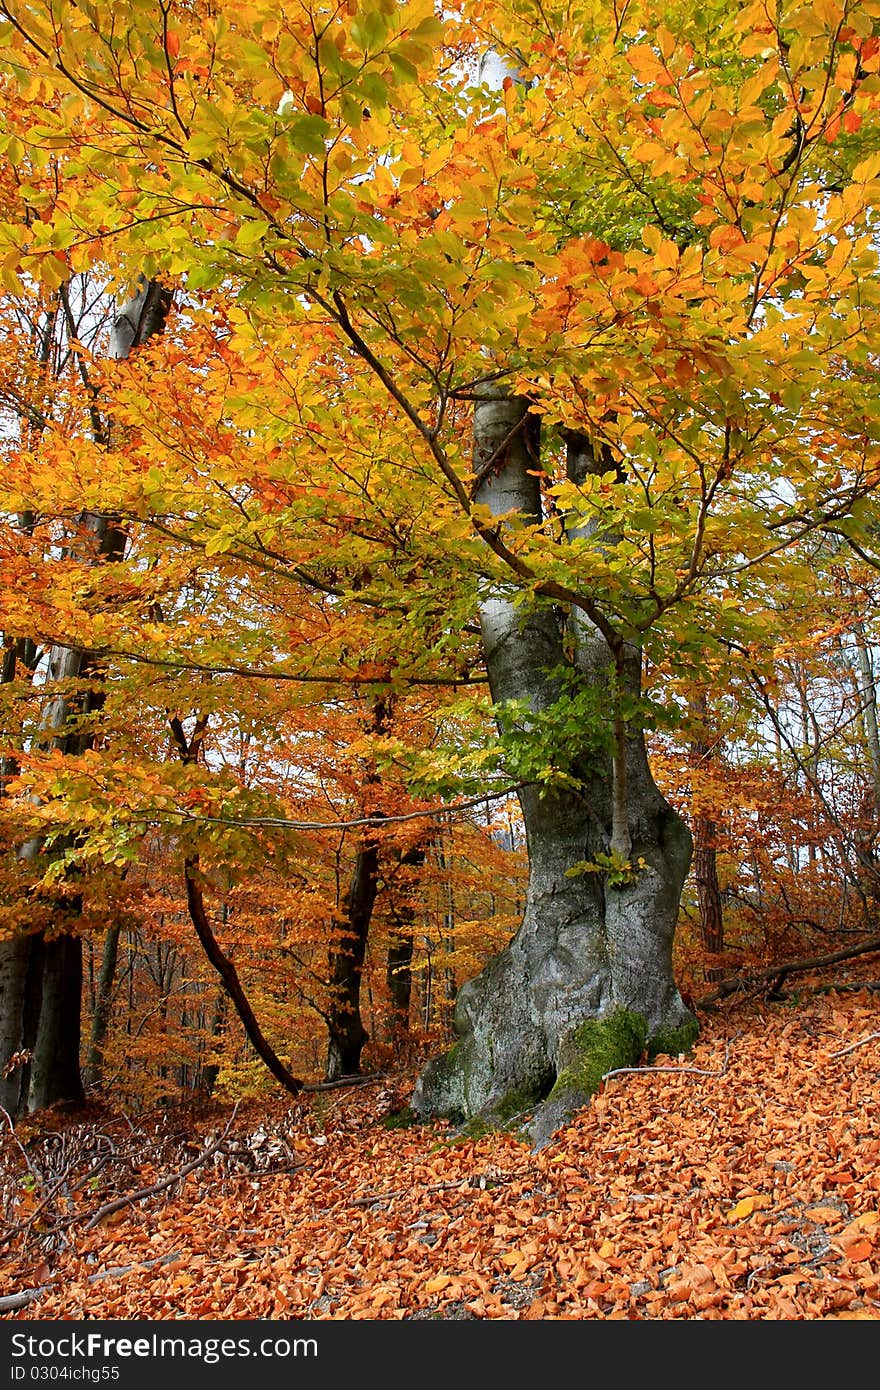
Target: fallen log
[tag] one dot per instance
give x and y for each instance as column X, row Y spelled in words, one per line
column 743, row 984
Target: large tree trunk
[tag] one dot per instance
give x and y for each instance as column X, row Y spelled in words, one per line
column 587, row 981
column 54, row 1069
column 41, row 978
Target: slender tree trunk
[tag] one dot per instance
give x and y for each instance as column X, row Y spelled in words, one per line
column 347, row 1034
column 535, row 1025
column 101, row 1016
column 398, row 978
column 446, row 940
column 398, row 975
column 705, row 833
column 811, row 738
column 211, row 1070
column 708, row 890
column 868, row 697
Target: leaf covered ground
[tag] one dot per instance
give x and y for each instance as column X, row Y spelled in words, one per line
column 741, row 1182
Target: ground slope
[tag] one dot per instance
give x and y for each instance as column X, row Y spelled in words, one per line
column 741, row 1182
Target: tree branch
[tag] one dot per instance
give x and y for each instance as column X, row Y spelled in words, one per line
column 742, row 983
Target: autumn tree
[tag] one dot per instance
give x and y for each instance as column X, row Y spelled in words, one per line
column 578, row 368
column 42, row 970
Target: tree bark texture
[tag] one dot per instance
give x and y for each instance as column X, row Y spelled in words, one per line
column 345, row 1028
column 398, row 973
column 586, row 950
column 103, row 1002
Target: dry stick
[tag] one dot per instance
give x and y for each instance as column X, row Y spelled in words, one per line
column 840, row 987
column 677, row 1071
column 119, row 1202
column 779, row 972
column 852, row 1047
column 10, row 1302
column 370, row 1080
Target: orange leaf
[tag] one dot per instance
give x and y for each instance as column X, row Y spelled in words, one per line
column 513, row 1257
column 438, row 1284
column 859, row 1250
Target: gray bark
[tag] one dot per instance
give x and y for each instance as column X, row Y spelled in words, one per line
column 585, row 949
column 868, row 696
column 54, row 1069
column 14, row 957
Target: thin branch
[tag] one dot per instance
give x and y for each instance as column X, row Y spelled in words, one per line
column 281, row 823
column 676, row 1071
column 330, row 678
column 843, row 1051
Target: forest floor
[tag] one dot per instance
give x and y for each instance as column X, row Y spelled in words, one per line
column 740, row 1182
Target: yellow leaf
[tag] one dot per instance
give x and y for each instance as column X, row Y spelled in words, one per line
column 745, row 1207
column 606, row 1250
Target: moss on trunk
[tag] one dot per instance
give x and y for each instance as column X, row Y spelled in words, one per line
column 597, row 1046
column 673, row 1041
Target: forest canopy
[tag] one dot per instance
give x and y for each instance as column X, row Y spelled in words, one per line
column 439, row 534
